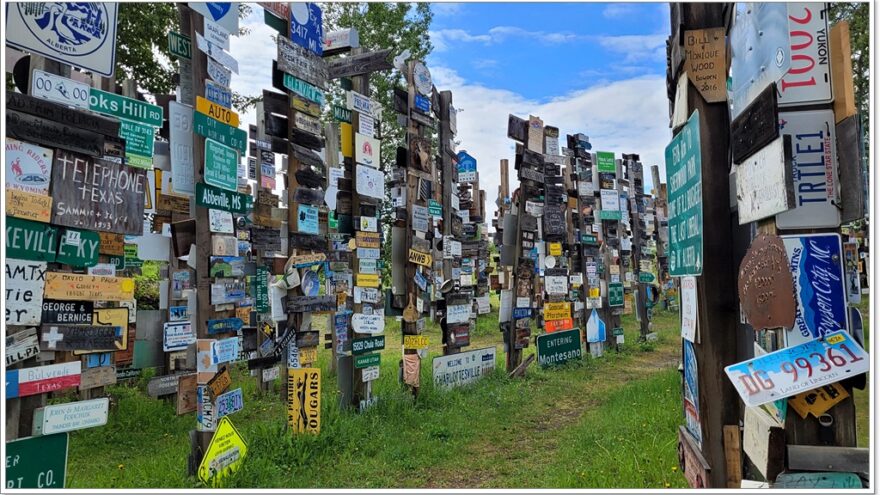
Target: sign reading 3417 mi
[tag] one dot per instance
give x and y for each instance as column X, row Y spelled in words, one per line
column 684, row 179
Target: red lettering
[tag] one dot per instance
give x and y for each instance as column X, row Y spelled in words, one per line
column 803, row 45
column 809, row 15
column 810, row 64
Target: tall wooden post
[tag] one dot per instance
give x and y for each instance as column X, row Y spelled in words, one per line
column 636, row 204
column 716, row 294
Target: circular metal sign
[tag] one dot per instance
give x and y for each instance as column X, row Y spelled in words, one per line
column 550, row 262
column 422, row 78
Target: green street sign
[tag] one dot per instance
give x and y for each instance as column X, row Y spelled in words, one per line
column 33, row 241
column 559, row 347
column 685, row 193
column 78, row 248
column 605, row 161
column 646, row 277
column 367, row 344
column 342, row 114
column 276, row 23
column 221, row 165
column 219, row 199
column 610, row 215
column 435, row 209
column 304, row 89
column 138, row 143
column 261, row 287
column 218, row 131
column 617, row 331
column 179, row 45
column 124, row 107
column 118, row 261
column 615, row 294
column 37, row 462
column 131, row 256
column 589, row 239
column 367, row 360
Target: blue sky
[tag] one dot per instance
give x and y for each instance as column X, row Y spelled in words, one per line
column 544, row 49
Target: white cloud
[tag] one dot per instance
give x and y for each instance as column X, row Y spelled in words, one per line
column 254, row 52
column 636, row 47
column 443, row 38
column 446, row 9
column 619, row 10
column 627, row 116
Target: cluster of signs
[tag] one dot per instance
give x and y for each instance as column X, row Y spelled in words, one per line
column 790, row 114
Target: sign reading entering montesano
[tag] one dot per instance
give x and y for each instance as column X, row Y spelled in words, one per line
column 97, row 194
column 559, row 347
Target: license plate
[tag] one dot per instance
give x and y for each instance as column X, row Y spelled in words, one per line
column 793, row 370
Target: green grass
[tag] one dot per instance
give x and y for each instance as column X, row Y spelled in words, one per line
column 862, row 397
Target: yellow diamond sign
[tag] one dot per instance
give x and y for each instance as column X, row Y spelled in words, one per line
column 225, row 453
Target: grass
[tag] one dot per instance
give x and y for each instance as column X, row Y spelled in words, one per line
column 608, row 422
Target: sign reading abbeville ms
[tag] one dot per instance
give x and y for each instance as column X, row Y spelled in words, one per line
column 97, row 194
column 212, row 197
column 685, row 190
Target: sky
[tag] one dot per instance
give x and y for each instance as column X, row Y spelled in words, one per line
column 594, row 68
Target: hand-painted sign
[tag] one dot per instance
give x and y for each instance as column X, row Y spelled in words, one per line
column 42, row 379
column 80, row 337
column 816, row 264
column 799, row 368
column 298, row 61
column 557, row 310
column 177, row 336
column 21, row 346
column 764, row 182
column 463, row 368
column 83, row 35
column 24, row 283
column 559, row 347
column 98, row 194
column 70, row 416
column 765, row 285
column 77, row 287
column 37, row 462
column 306, row 27
column 684, row 177
column 212, row 197
column 304, row 400
column 706, row 62
column 371, row 324
column 228, row 403
column 224, row 454
column 28, row 206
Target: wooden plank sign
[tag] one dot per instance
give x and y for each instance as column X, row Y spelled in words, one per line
column 77, row 287
column 80, row 337
column 28, row 205
column 21, row 346
column 304, row 400
column 302, row 63
column 163, row 385
column 764, row 442
column 98, row 376
column 98, row 194
column 187, row 393
column 42, row 379
column 691, row 460
column 764, row 182
column 364, row 63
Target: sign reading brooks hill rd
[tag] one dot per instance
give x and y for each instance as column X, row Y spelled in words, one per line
column 684, row 179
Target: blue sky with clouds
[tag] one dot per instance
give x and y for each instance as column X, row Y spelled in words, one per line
column 544, row 49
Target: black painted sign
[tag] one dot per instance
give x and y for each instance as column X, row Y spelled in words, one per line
column 266, row 239
column 364, row 63
column 53, row 134
column 62, row 114
column 80, row 337
column 67, row 312
column 756, row 126
column 306, row 304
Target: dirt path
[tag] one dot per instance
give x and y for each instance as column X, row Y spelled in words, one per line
column 538, row 429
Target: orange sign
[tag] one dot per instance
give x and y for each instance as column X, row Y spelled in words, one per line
column 27, row 205
column 77, row 287
column 555, row 325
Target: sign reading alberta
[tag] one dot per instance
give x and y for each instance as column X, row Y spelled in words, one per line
column 463, row 368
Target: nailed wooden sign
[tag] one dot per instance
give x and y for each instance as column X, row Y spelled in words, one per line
column 99, row 195
column 765, row 284
column 764, row 442
column 706, row 62
column 67, row 312
column 306, row 304
column 368, row 239
column 306, row 139
column 50, row 133
column 80, row 338
column 691, row 460
column 62, row 114
column 21, row 346
column 28, row 205
column 756, row 127
column 765, row 182
column 24, row 286
column 301, row 62
column 266, row 239
column 307, row 123
column 98, row 376
column 42, row 379
column 78, row 287
column 163, row 385
column 305, row 195
column 187, row 393
column 307, row 241
column 354, row 65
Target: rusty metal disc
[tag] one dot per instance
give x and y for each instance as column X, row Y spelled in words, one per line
column 766, row 287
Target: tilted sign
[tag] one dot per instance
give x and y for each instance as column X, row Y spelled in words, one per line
column 298, row 61
column 799, row 368
column 684, row 179
column 808, row 80
column 364, row 63
column 306, row 27
column 83, row 35
column 228, row 403
column 224, row 454
column 559, row 347
column 217, row 53
column 304, row 400
column 814, row 155
column 37, row 462
column 463, row 368
column 223, row 13
column 24, row 282
column 816, row 264
column 21, row 346
column 765, row 284
column 303, row 89
column 60, row 418
column 98, row 194
column 42, row 379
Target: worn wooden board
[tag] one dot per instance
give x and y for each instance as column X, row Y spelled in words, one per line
column 364, row 63
column 187, row 393
column 835, row 459
column 706, row 62
column 100, row 376
column 301, row 62
column 691, row 461
column 100, row 195
column 80, row 337
column 764, row 442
